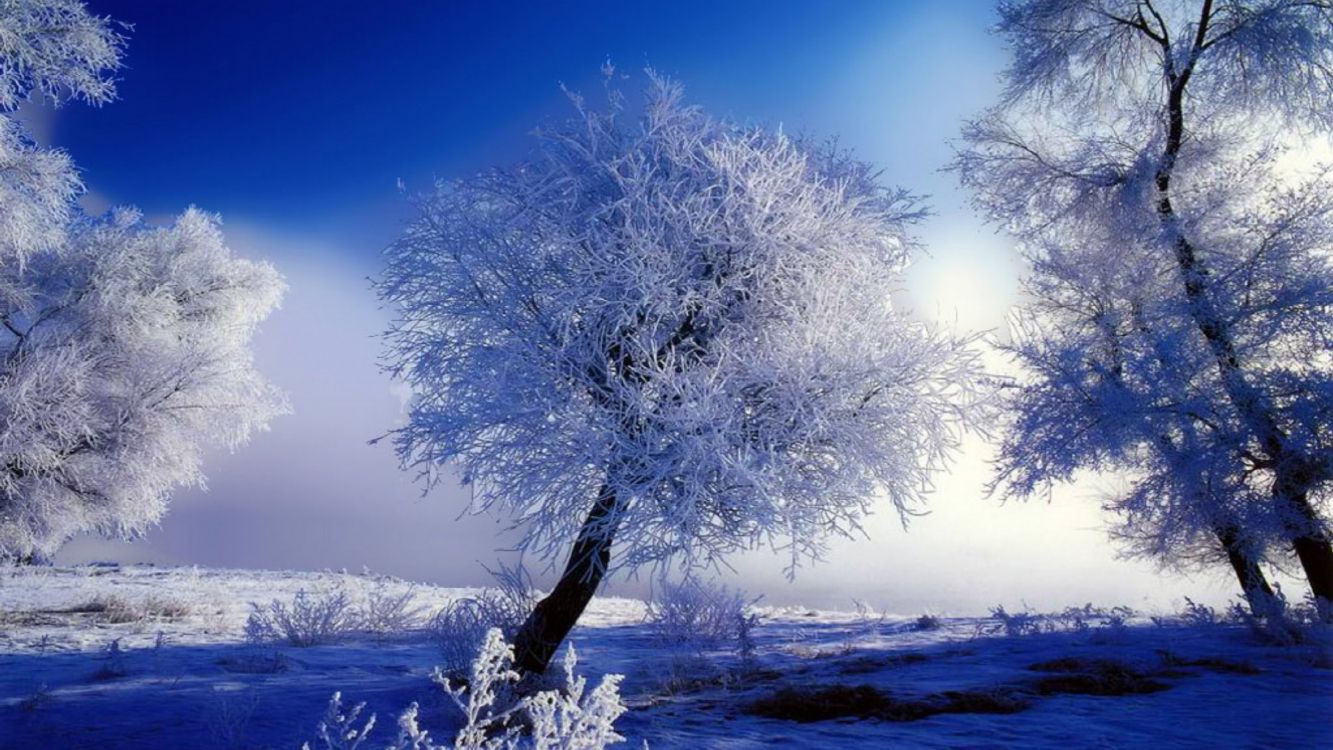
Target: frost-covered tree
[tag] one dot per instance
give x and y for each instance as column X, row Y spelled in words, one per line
column 672, row 334
column 1180, row 307
column 57, row 49
column 123, row 347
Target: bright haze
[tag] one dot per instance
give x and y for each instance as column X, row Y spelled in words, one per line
column 297, row 122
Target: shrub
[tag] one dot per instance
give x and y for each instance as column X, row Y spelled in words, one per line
column 1198, row 614
column 108, row 608
column 383, row 612
column 1016, row 623
column 334, row 613
column 163, row 608
column 460, row 627
column 1078, row 619
column 118, row 610
column 310, row 619
column 113, row 662
column 566, row 719
column 701, row 615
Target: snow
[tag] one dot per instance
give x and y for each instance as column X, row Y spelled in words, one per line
column 199, row 685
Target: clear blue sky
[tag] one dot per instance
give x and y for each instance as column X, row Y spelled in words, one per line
column 295, row 121
column 305, row 114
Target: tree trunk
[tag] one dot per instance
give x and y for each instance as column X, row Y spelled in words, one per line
column 1311, row 543
column 554, row 616
column 1312, row 548
column 1253, row 583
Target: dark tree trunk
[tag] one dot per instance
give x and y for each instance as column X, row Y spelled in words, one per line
column 1312, row 549
column 1258, row 593
column 554, row 616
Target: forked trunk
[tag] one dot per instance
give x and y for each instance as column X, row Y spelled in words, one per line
column 554, row 616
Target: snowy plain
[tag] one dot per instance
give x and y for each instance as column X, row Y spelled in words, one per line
column 185, row 677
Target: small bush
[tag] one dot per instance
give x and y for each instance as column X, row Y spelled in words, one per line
column 700, row 615
column 258, row 661
column 1071, row 676
column 384, row 612
column 570, row 718
column 310, row 619
column 1076, row 619
column 39, row 698
column 113, row 662
column 229, row 717
column 117, row 610
column 336, row 611
column 108, row 608
column 460, row 627
column 1198, row 614
column 1016, row 623
column 163, row 608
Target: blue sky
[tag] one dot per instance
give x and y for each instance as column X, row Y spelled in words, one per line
column 296, row 120
column 306, row 114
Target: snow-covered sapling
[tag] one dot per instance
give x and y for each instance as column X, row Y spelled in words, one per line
column 671, row 334
column 1181, row 292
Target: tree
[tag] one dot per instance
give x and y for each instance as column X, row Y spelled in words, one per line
column 674, row 336
column 1181, row 311
column 123, row 347
column 56, row 49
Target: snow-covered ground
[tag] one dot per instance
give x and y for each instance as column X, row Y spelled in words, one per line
column 184, row 676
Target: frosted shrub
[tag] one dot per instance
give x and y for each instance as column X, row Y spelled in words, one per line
column 338, row 729
column 111, row 608
column 335, row 613
column 310, row 619
column 1076, row 619
column 1015, row 623
column 571, row 718
column 1195, row 613
column 384, row 611
column 700, row 615
column 1085, row 618
column 460, row 627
